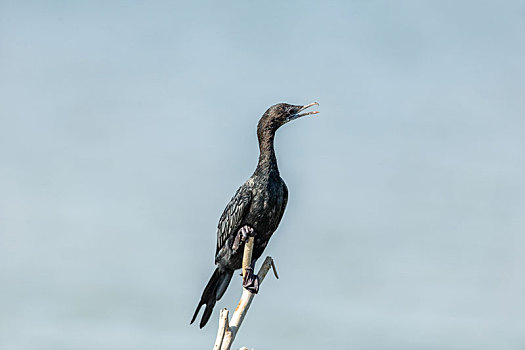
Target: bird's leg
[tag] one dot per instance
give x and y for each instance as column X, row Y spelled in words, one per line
column 251, row 280
column 242, row 236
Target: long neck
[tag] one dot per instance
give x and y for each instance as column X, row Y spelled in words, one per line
column 267, row 160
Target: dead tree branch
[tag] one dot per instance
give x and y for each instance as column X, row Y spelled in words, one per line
column 229, row 329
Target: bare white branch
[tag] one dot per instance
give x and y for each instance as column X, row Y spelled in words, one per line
column 223, row 326
column 228, row 330
column 243, row 306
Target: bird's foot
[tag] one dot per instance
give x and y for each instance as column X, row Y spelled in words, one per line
column 242, row 236
column 250, row 280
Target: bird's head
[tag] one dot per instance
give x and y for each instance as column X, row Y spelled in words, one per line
column 280, row 114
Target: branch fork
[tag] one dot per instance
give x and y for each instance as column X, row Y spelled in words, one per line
column 228, row 329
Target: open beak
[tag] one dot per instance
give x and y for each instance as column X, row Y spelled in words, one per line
column 302, row 108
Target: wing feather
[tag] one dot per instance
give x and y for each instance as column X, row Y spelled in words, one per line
column 232, row 217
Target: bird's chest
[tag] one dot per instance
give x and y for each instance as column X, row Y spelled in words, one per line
column 266, row 211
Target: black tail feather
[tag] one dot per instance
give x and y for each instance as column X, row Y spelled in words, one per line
column 214, row 290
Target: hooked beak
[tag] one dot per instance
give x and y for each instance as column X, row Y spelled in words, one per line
column 298, row 114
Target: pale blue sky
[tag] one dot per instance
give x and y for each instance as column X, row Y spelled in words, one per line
column 125, row 127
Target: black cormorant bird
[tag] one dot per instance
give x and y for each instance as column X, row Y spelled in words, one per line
column 256, row 210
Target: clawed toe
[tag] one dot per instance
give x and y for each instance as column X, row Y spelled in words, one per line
column 246, row 231
column 251, row 281
column 237, row 242
column 242, row 235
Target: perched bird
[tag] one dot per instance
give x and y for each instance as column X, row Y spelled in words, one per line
column 255, row 210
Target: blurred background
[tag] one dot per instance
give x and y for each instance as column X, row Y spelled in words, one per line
column 126, row 126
